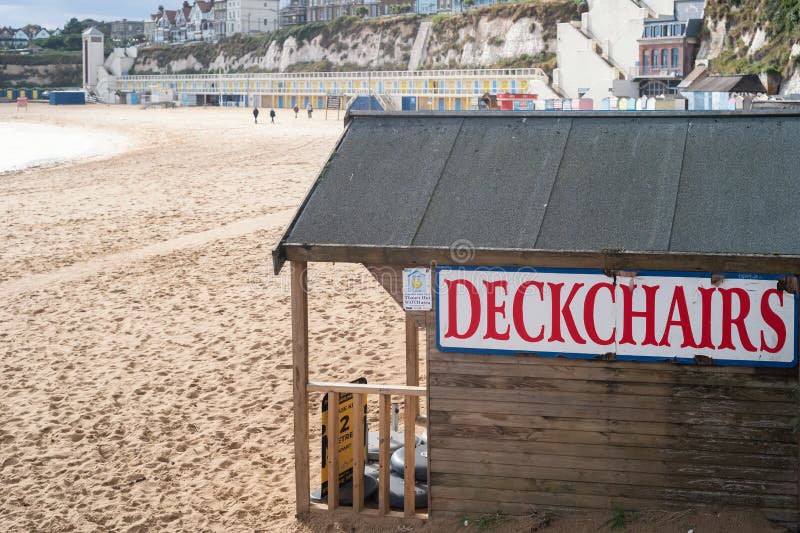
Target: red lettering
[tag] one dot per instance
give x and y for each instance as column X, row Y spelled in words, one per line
column 519, row 322
column 649, row 314
column 588, row 313
column 773, row 321
column 679, row 303
column 475, row 308
column 705, row 318
column 728, row 321
column 566, row 312
column 492, row 310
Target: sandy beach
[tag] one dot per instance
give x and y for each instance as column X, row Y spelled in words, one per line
column 145, row 351
column 144, row 341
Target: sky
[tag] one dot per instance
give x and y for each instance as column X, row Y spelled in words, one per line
column 54, row 13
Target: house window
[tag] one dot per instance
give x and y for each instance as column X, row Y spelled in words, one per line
column 654, row 58
column 675, row 58
column 647, row 31
column 676, row 29
column 664, row 58
column 645, row 60
column 656, row 31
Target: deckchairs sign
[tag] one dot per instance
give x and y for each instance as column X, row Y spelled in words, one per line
column 734, row 319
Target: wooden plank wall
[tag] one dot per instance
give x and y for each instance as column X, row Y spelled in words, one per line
column 512, row 433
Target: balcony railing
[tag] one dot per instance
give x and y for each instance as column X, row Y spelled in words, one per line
column 410, row 395
column 534, row 73
column 656, row 72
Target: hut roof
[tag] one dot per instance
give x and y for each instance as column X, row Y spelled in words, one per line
column 710, row 191
column 740, row 83
column 93, row 32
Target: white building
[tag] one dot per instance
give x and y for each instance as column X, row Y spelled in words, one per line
column 180, row 32
column 597, row 55
column 93, row 57
column 252, row 16
column 204, row 20
column 165, row 26
column 20, row 39
column 42, row 34
column 150, row 27
column 220, row 11
column 201, row 22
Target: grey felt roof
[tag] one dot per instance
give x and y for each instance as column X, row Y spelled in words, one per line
column 650, row 182
column 740, row 83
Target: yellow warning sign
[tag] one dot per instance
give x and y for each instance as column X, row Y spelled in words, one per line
column 344, row 437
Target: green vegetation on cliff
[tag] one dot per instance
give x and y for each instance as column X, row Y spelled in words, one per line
column 452, row 31
column 548, row 13
column 778, row 19
column 41, row 58
column 43, row 70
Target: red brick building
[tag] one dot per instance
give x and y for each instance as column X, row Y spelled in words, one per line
column 667, row 49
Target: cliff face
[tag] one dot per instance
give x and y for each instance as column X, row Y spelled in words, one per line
column 45, row 70
column 500, row 36
column 752, row 37
column 504, row 35
column 347, row 43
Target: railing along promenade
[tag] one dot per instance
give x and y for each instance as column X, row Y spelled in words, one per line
column 387, row 82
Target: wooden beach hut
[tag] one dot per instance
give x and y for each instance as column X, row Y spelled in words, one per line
column 613, row 317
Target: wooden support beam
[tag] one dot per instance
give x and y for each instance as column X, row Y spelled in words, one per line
column 410, row 443
column 385, row 403
column 412, row 361
column 299, row 291
column 408, row 256
column 365, row 388
column 371, row 512
column 299, row 295
column 358, row 453
column 333, row 451
column 430, row 324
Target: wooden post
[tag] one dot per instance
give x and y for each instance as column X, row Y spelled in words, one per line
column 383, row 460
column 358, row 452
column 430, row 322
column 412, row 361
column 299, row 386
column 410, row 443
column 333, row 451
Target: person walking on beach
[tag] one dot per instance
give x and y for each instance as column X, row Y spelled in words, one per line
column 309, row 109
column 272, row 115
column 255, row 114
column 296, row 110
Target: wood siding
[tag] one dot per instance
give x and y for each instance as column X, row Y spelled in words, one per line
column 512, row 433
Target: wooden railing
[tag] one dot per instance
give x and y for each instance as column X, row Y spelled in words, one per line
column 410, row 395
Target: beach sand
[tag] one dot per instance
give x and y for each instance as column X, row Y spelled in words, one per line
column 145, row 356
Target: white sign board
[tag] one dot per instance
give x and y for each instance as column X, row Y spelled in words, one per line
column 417, row 294
column 742, row 319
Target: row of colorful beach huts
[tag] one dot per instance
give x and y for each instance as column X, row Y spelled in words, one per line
column 13, row 94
